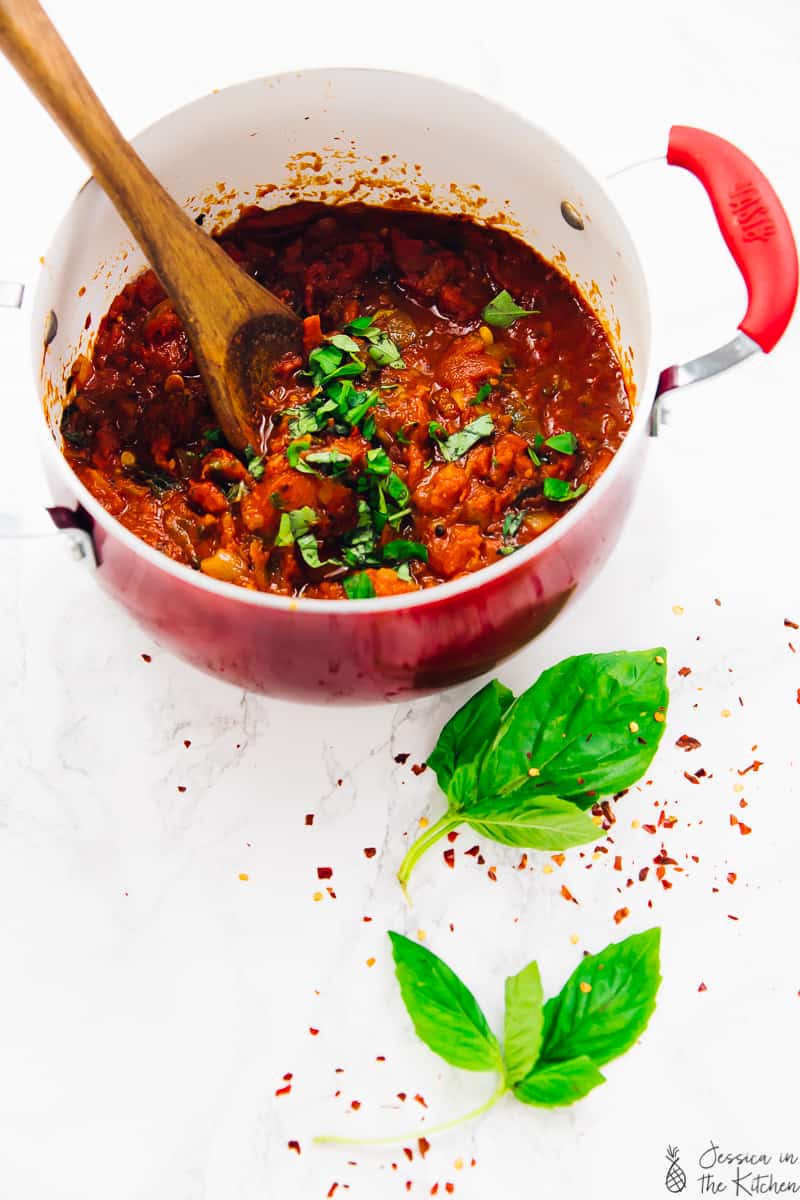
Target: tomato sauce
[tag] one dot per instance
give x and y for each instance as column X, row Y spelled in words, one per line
column 455, row 396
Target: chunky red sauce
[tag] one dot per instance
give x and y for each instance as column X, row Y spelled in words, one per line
column 436, row 433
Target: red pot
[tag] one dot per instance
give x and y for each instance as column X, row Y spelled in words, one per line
column 263, row 133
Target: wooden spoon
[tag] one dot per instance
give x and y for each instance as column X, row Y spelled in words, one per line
column 237, row 328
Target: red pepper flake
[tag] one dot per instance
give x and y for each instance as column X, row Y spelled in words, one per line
column 684, row 671
column 401, row 1095
column 435, row 1190
column 645, row 871
column 313, row 1031
column 733, row 820
column 449, row 1188
column 668, row 822
column 409, row 1185
column 293, row 1145
column 744, row 829
column 366, row 920
column 731, row 917
column 331, row 893
column 666, row 885
column 567, row 894
column 370, row 851
column 523, row 862
column 687, row 742
column 449, row 856
column 618, row 862
column 186, row 743
column 702, row 988
column 731, row 877
column 492, row 873
column 473, row 850
column 287, row 1077
column 718, row 602
column 355, row 1105
column 424, row 1145
column 660, row 872
column 324, row 872
column 181, row 788
column 284, row 1091
column 418, row 768
column 409, row 1153
column 332, row 1190
column 480, row 860
column 649, row 828
column 558, row 859
column 790, row 624
column 420, row 1100
column 452, row 835
column 691, row 778
column 402, row 759
column 309, row 818
column 742, row 803
column 147, row 658
column 755, row 765
column 664, row 860
column 380, row 1058
column 798, row 695
column 621, row 914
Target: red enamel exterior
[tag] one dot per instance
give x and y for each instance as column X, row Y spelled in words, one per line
column 353, row 654
column 753, row 223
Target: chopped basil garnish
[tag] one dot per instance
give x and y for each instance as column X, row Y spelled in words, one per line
column 502, row 311
column 402, row 550
column 342, row 342
column 483, row 393
column 294, row 525
column 565, row 443
column 334, row 459
column 457, row 445
column 214, row 437
column 237, row 492
column 384, row 353
column 293, row 456
column 254, row 463
column 534, row 457
column 511, row 524
column 358, row 587
column 378, row 462
column 559, row 489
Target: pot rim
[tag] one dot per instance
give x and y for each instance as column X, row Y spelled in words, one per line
column 441, row 592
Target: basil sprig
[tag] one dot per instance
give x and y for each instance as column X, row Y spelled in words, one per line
column 502, row 311
column 464, row 439
column 553, row 1051
column 559, row 489
column 522, row 770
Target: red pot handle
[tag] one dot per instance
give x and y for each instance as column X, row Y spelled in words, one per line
column 753, row 223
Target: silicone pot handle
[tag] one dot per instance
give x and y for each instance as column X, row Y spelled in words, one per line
column 753, row 223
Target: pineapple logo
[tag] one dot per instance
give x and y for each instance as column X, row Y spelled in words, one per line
column 676, row 1176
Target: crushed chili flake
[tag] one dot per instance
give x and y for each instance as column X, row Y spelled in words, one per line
column 702, row 988
column 186, row 743
column 421, row 1100
column 731, row 917
column 480, row 860
column 492, row 873
column 435, row 1190
column 409, row 1153
column 617, row 862
column 332, row 1190
column 452, row 835
column 147, row 658
column 691, row 778
column 355, row 1105
column 645, row 871
column 449, row 1188
column 649, row 828
column 324, row 872
column 558, row 859
column 790, row 624
column 731, row 877
column 380, row 1058
column 687, row 742
column 370, row 851
column 293, row 1145
column 309, row 818
column 449, row 857
column 181, row 788
column 402, row 759
column 744, row 829
column 684, row 671
column 755, row 765
column 567, row 894
column 313, row 1031
column 523, row 862
column 621, row 914
column 473, row 850
column 424, row 1145
column 418, row 768
column 284, row 1091
column 402, row 1096
column 665, row 883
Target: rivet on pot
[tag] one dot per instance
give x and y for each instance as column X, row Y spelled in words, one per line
column 571, row 215
column 50, row 328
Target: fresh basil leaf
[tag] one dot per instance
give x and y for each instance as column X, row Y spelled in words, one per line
column 254, row 463
column 469, row 731
column 368, row 428
column 358, row 587
column 404, row 572
column 360, row 325
column 342, row 342
column 532, row 822
column 214, row 437
column 294, row 525
column 347, row 370
column 302, row 421
column 360, row 545
column 502, row 311
column 322, row 361
column 523, row 1022
column 237, row 492
column 445, row 1014
column 334, row 459
column 357, row 412
column 483, row 393
column 559, row 1083
column 395, row 488
column 293, row 456
column 588, row 724
column 560, row 490
column 284, row 536
column 565, row 443
column 401, row 550
column 511, row 524
column 309, row 550
column 459, row 443
column 384, row 353
column 534, row 457
column 378, row 462
column 605, row 1004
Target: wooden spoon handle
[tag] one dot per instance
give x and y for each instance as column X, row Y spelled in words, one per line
column 170, row 239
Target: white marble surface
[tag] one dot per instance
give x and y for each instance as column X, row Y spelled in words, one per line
column 150, row 999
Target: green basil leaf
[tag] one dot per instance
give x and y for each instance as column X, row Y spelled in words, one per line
column 358, row 587
column 347, row 370
column 445, row 1014
column 334, row 459
column 342, row 342
column 587, row 725
column 395, row 487
column 534, row 457
column 309, row 549
column 605, row 1017
column 511, row 524
column 369, row 427
column 214, row 436
column 357, row 412
column 502, row 311
column 532, row 822
column 469, row 731
column 284, row 536
column 322, row 361
column 360, row 544
column 360, row 325
column 560, row 490
column 384, row 353
column 559, row 1083
column 404, row 572
column 254, row 463
column 293, row 456
column 459, row 443
column 523, row 1022
column 293, row 525
column 565, row 443
column 401, row 550
column 483, row 393
column 378, row 462
column 303, row 420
